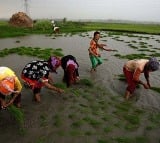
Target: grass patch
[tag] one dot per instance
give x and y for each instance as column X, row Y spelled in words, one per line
column 42, row 53
column 77, row 124
column 102, row 141
column 155, row 118
column 91, row 121
column 17, row 114
column 133, row 119
column 137, row 139
column 132, row 46
column 60, row 85
column 108, row 129
column 157, row 89
column 86, row 82
column 43, row 120
column 133, row 56
column 44, row 27
column 57, row 120
column 75, row 133
column 123, row 106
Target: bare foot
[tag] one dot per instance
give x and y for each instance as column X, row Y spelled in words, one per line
column 92, row 70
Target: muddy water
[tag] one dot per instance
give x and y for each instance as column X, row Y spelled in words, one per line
column 106, row 74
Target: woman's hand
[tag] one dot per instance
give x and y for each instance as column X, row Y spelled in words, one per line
column 77, row 79
column 59, row 90
column 3, row 105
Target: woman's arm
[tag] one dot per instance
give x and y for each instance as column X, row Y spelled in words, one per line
column 15, row 94
column 50, row 79
column 136, row 76
column 48, row 85
column 146, row 75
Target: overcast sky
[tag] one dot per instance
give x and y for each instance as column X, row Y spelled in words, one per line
column 137, row 10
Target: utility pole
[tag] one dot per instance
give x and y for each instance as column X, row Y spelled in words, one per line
column 26, row 7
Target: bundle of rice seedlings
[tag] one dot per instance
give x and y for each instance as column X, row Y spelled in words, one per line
column 86, row 82
column 16, row 113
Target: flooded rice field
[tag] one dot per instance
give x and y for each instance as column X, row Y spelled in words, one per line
column 94, row 117
column 107, row 73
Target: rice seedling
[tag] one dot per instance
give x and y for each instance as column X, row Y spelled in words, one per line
column 84, row 110
column 61, row 133
column 17, row 41
column 86, row 82
column 91, row 121
column 123, row 139
column 155, row 118
column 108, row 129
column 43, row 120
column 138, row 111
column 60, row 85
column 133, row 56
column 30, row 51
column 118, row 124
column 41, row 140
column 143, row 46
column 157, row 48
column 132, row 46
column 142, row 139
column 74, row 132
column 77, row 124
column 17, row 114
column 57, row 120
column 123, row 106
column 132, row 119
column 142, row 43
column 131, row 127
column 144, row 50
column 89, row 133
column 134, row 41
column 103, row 141
column 72, row 116
column 106, row 117
column 151, row 127
column 157, row 40
column 157, row 89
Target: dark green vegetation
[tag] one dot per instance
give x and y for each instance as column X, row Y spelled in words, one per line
column 157, row 89
column 44, row 27
column 29, row 51
column 17, row 114
column 143, row 50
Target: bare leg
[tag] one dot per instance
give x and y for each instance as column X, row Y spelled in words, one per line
column 92, row 70
column 127, row 94
column 36, row 92
column 37, row 97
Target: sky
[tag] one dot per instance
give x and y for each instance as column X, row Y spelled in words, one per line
column 134, row 10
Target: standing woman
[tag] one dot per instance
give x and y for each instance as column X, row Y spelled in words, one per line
column 9, row 86
column 94, row 54
column 37, row 74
